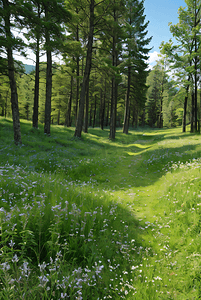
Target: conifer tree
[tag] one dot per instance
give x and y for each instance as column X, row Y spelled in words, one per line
column 135, row 49
column 9, row 17
column 184, row 56
column 55, row 16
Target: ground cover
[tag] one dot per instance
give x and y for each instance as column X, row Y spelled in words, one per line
column 92, row 218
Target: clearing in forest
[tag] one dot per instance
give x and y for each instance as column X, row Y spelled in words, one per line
column 96, row 219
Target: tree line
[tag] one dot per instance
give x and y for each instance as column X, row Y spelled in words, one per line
column 104, row 78
column 101, row 42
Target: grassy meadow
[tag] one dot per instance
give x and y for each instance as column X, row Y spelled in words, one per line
column 96, row 219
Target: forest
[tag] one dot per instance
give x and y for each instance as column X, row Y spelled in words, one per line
column 104, row 79
column 100, row 187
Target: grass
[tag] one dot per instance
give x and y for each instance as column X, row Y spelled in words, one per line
column 97, row 219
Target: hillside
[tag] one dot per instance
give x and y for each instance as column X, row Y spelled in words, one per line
column 29, row 68
column 96, row 219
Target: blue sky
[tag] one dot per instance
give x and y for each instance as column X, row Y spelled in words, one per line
column 159, row 13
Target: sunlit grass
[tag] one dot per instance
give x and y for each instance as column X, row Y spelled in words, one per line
column 99, row 219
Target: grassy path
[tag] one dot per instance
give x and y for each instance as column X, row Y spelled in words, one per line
column 99, row 219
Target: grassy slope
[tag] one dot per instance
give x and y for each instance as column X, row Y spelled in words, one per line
column 144, row 194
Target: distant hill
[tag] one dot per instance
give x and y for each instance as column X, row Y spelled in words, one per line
column 29, row 68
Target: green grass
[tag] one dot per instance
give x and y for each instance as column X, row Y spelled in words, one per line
column 97, row 219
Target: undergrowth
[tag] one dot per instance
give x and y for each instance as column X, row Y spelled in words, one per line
column 99, row 219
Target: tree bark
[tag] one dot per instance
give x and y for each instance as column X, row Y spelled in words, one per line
column 36, row 89
column 185, row 108
column 79, row 125
column 192, row 112
column 78, row 81
column 87, row 110
column 196, row 93
column 102, row 114
column 94, row 118
column 48, row 93
column 11, row 75
column 127, row 104
column 48, row 79
column 114, row 85
column 58, row 117
column 68, row 115
column 90, row 115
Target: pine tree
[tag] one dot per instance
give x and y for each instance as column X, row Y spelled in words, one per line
column 55, row 16
column 184, row 56
column 135, row 48
column 9, row 17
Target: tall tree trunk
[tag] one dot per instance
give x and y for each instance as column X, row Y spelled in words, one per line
column 48, row 78
column 58, row 117
column 114, row 84
column 136, row 117
column 90, row 115
column 48, row 93
column 11, row 75
column 185, row 108
column 133, row 116
column 161, row 105
column 101, row 103
column 77, row 80
column 6, row 103
column 94, row 118
column 127, row 104
column 68, row 115
column 86, row 110
column 107, row 115
column 196, row 93
column 192, row 111
column 102, row 115
column 37, row 78
column 197, row 20
column 36, row 89
column 78, row 129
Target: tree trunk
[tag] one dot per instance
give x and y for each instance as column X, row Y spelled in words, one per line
column 192, row 112
column 87, row 110
column 127, row 104
column 196, row 93
column 58, row 117
column 11, row 75
column 161, row 106
column 78, row 80
column 68, row 115
column 78, row 129
column 102, row 115
column 94, row 118
column 37, row 78
column 48, row 93
column 185, row 108
column 114, row 84
column 36, row 89
column 107, row 115
column 90, row 115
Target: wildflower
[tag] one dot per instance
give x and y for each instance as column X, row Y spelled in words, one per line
column 24, row 269
column 42, row 267
column 15, row 258
column 157, row 278
column 43, row 280
column 11, row 244
column 63, row 295
column 133, row 267
column 5, row 266
column 11, row 281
